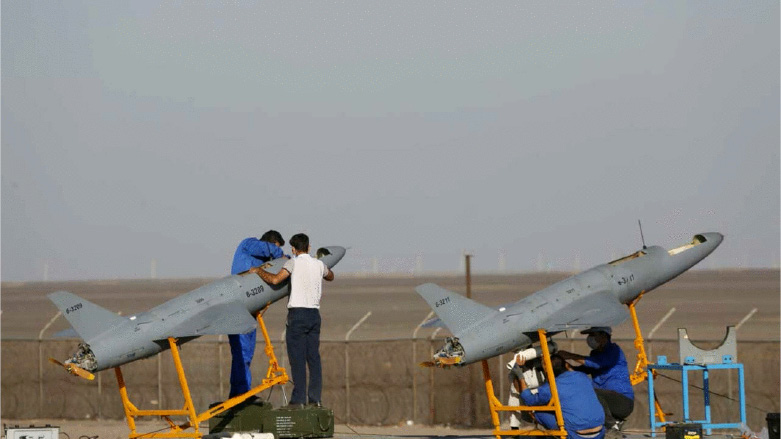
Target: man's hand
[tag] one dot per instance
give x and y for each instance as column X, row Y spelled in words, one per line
column 273, row 279
column 578, row 359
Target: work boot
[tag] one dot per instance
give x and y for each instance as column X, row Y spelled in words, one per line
column 613, row 432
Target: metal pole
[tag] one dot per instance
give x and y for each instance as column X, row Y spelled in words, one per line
column 159, row 380
column 649, row 353
column 414, row 360
column 745, row 319
column 40, row 362
column 355, row 326
column 661, row 322
column 347, row 382
column 471, row 384
column 468, row 275
column 40, row 378
column 431, row 379
column 100, row 396
column 347, row 364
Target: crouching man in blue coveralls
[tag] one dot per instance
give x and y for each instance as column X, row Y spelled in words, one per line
column 251, row 252
column 582, row 412
column 609, row 370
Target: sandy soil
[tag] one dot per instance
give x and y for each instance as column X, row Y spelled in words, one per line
column 705, row 302
column 92, row 429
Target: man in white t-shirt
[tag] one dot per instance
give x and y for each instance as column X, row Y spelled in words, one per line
column 303, row 318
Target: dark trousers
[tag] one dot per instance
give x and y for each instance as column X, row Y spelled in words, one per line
column 617, row 406
column 242, row 350
column 303, row 349
column 548, row 421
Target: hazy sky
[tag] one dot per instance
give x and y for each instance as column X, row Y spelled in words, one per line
column 533, row 135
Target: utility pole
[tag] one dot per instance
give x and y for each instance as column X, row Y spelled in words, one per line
column 468, row 258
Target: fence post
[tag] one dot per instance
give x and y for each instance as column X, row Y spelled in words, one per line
column 745, row 319
column 661, row 322
column 414, row 361
column 347, row 365
column 40, row 363
column 658, row 325
column 100, row 396
column 431, row 378
column 40, row 378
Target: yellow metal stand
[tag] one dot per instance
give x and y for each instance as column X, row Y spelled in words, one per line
column 639, row 375
column 275, row 375
column 553, row 406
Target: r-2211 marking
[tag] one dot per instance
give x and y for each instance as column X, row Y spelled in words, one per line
column 442, row 302
column 626, row 279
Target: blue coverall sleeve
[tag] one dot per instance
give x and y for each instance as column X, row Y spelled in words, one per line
column 542, row 397
column 602, row 360
column 263, row 250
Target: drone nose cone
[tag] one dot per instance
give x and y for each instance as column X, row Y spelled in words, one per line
column 714, row 238
column 337, row 252
column 331, row 255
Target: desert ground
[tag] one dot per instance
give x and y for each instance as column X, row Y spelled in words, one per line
column 705, row 303
column 381, row 373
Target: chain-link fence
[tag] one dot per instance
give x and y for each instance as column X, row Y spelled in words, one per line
column 365, row 382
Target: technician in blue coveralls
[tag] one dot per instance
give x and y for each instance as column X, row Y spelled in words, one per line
column 608, row 369
column 583, row 416
column 251, row 252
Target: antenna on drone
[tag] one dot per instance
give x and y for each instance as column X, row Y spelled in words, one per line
column 641, row 234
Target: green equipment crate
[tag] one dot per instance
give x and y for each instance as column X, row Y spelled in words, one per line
column 245, row 417
column 284, row 422
column 309, row 422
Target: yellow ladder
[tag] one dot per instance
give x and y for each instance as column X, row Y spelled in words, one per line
column 554, row 405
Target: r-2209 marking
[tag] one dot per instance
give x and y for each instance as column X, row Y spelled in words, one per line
column 442, row 302
column 254, row 291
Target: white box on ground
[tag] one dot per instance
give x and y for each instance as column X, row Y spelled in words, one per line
column 31, row 432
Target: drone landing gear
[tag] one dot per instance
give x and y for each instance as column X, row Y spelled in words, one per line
column 639, row 374
column 275, row 375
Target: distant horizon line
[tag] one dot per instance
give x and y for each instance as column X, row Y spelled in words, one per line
column 367, row 274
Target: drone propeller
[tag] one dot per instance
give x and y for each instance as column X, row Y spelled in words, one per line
column 74, row 370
